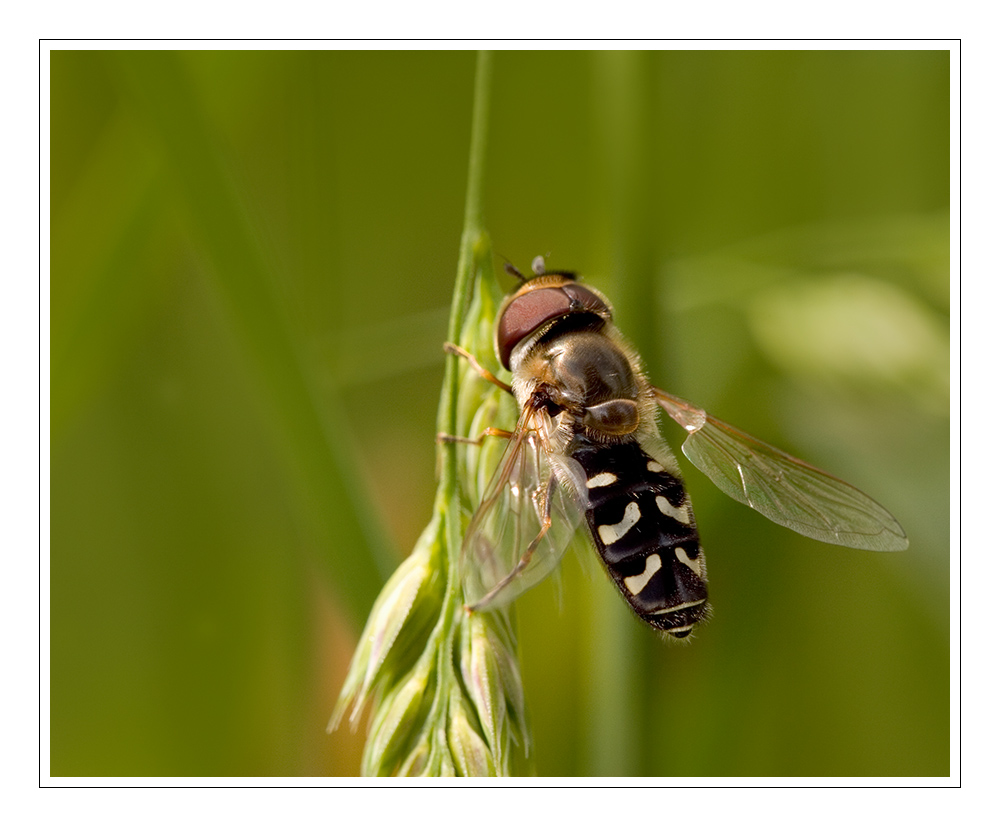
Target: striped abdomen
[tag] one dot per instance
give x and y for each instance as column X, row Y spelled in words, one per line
column 642, row 524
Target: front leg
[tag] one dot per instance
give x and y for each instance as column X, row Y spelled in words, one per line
column 455, row 350
column 465, row 440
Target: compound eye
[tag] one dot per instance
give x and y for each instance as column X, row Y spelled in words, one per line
column 527, row 313
column 583, row 300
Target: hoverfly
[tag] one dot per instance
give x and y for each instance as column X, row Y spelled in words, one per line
column 587, row 445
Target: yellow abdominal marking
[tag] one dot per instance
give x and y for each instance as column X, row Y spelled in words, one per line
column 679, row 607
column 679, row 514
column 611, row 534
column 687, row 561
column 637, row 582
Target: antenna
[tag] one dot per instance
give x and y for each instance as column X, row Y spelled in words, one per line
column 512, row 270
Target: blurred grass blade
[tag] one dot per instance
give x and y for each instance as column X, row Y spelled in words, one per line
column 314, row 435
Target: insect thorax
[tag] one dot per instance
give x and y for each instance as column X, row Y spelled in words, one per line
column 596, row 400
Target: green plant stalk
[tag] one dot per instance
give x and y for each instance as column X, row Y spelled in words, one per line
column 445, row 682
column 473, row 238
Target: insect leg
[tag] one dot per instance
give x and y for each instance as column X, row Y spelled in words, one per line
column 465, row 440
column 528, row 552
column 455, row 350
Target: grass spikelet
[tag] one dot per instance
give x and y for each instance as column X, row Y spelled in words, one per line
column 444, row 683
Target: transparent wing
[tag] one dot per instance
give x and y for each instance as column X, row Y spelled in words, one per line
column 784, row 489
column 528, row 515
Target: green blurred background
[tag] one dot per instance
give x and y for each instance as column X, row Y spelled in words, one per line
column 252, row 259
